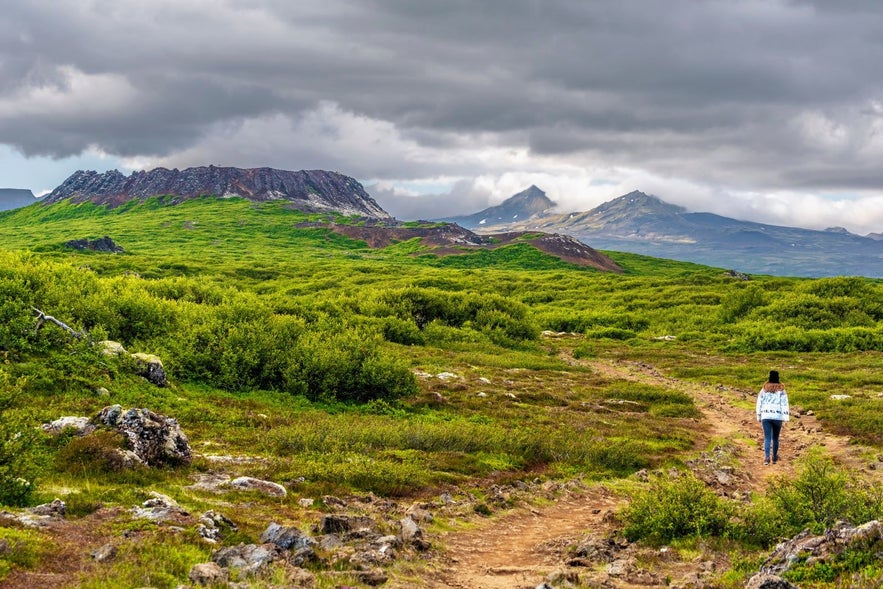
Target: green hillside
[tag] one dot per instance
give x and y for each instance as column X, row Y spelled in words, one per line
column 393, row 371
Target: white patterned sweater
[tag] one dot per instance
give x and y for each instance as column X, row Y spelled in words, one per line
column 772, row 402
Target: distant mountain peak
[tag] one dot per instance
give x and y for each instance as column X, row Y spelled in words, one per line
column 518, row 207
column 313, row 190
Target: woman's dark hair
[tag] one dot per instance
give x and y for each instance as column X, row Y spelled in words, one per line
column 774, row 376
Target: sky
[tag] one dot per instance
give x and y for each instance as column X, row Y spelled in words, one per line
column 763, row 110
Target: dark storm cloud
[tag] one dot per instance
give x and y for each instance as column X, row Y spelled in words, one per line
column 755, row 92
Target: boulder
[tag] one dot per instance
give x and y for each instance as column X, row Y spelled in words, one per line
column 151, row 368
column 807, row 548
column 250, row 559
column 412, row 534
column 347, row 524
column 79, row 426
column 103, row 244
column 288, row 538
column 207, row 574
column 156, row 439
column 56, row 508
column 104, row 554
column 111, row 348
column 766, row 581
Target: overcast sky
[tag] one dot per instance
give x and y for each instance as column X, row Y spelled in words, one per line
column 767, row 110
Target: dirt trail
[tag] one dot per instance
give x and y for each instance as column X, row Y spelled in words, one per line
column 519, row 549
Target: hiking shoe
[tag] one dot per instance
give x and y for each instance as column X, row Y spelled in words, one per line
column 775, row 459
column 766, row 462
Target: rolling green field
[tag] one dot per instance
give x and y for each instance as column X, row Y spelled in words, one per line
column 392, row 371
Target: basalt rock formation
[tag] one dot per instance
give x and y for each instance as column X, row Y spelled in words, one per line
column 313, row 190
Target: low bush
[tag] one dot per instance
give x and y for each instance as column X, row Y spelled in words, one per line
column 672, row 508
column 823, row 493
column 18, row 470
column 96, row 454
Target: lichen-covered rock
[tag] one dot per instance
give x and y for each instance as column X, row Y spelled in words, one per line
column 213, row 526
column 79, row 426
column 289, row 538
column 252, row 484
column 151, row 368
column 156, row 439
column 56, row 508
column 111, row 348
column 249, row 559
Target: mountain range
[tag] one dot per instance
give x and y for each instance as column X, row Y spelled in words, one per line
column 645, row 224
column 315, row 191
column 635, row 222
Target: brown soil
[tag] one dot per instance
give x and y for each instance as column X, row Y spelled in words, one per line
column 519, row 549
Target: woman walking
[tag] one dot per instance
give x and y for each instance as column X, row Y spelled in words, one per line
column 772, row 412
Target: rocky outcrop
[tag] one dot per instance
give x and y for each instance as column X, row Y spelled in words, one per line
column 313, row 190
column 156, row 439
column 103, row 244
column 810, row 549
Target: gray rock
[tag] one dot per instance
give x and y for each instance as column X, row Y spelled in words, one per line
column 288, row 538
column 213, row 526
column 56, row 508
column 156, row 439
column 252, row 484
column 104, row 554
column 207, row 573
column 346, row 524
column 104, row 244
column 767, row 581
column 250, row 559
column 412, row 534
column 79, row 426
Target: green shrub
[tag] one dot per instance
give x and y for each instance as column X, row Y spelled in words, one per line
column 95, row 454
column 762, row 523
column 401, row 331
column 823, row 493
column 740, row 303
column 17, row 441
column 672, row 508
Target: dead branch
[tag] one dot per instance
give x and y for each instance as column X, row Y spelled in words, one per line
column 43, row 318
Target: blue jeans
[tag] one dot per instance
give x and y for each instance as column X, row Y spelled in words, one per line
column 771, row 429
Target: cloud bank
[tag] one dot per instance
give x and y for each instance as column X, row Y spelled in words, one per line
column 769, row 110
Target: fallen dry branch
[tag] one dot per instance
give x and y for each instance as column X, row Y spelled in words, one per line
column 43, row 318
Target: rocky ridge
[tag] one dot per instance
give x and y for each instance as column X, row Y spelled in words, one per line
column 313, row 190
